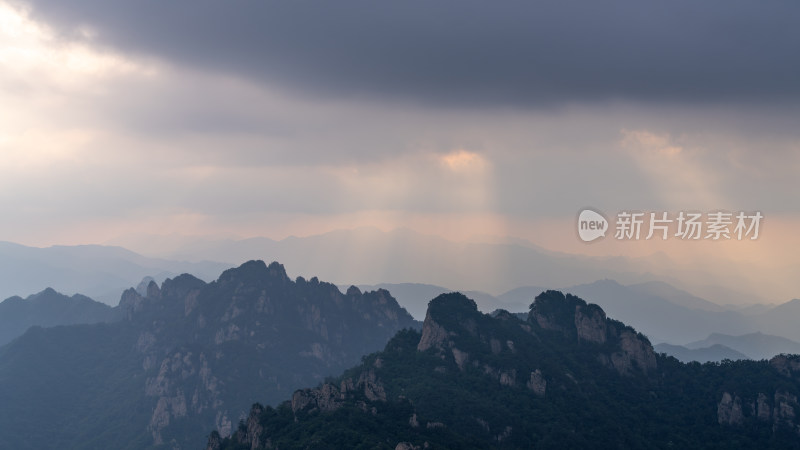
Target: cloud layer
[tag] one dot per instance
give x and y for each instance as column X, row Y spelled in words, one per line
column 455, row 118
column 525, row 54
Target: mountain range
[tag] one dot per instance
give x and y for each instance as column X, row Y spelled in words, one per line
column 566, row 377
column 185, row 357
column 754, row 345
column 694, row 323
column 666, row 314
column 711, row 353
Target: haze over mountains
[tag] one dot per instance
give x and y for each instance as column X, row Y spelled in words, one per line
column 497, row 273
column 100, row 272
column 488, row 264
column 363, row 256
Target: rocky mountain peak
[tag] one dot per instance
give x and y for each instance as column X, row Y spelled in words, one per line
column 255, row 271
column 143, row 285
column 131, row 302
column 192, row 333
column 177, row 287
column 45, row 295
column 552, row 310
column 446, row 314
column 277, row 271
column 573, row 317
column 153, row 291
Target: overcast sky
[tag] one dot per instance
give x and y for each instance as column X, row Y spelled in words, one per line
column 450, row 117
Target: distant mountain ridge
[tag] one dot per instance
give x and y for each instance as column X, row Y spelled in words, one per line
column 49, row 308
column 187, row 356
column 371, row 256
column 755, row 345
column 100, row 272
column 712, row 353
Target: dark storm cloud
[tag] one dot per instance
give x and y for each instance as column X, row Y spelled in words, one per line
column 470, row 52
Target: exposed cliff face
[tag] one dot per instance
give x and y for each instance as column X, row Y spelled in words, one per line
column 635, row 353
column 433, row 335
column 590, row 323
column 537, row 383
column 781, row 410
column 329, row 398
column 729, row 410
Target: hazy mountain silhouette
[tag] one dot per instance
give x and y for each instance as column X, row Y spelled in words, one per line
column 48, row 309
column 100, row 272
column 754, row 345
column 660, row 318
column 712, row 353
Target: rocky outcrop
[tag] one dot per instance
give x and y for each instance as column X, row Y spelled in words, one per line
column 214, row 441
column 433, row 335
column 729, row 410
column 326, row 398
column 762, row 409
column 171, row 400
column 636, row 354
column 783, row 414
column 508, row 378
column 504, row 435
column 460, row 357
column 252, row 434
column 406, row 446
column 329, row 398
column 131, row 302
column 537, row 383
column 153, row 291
column 590, row 323
column 585, row 322
column 373, row 389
